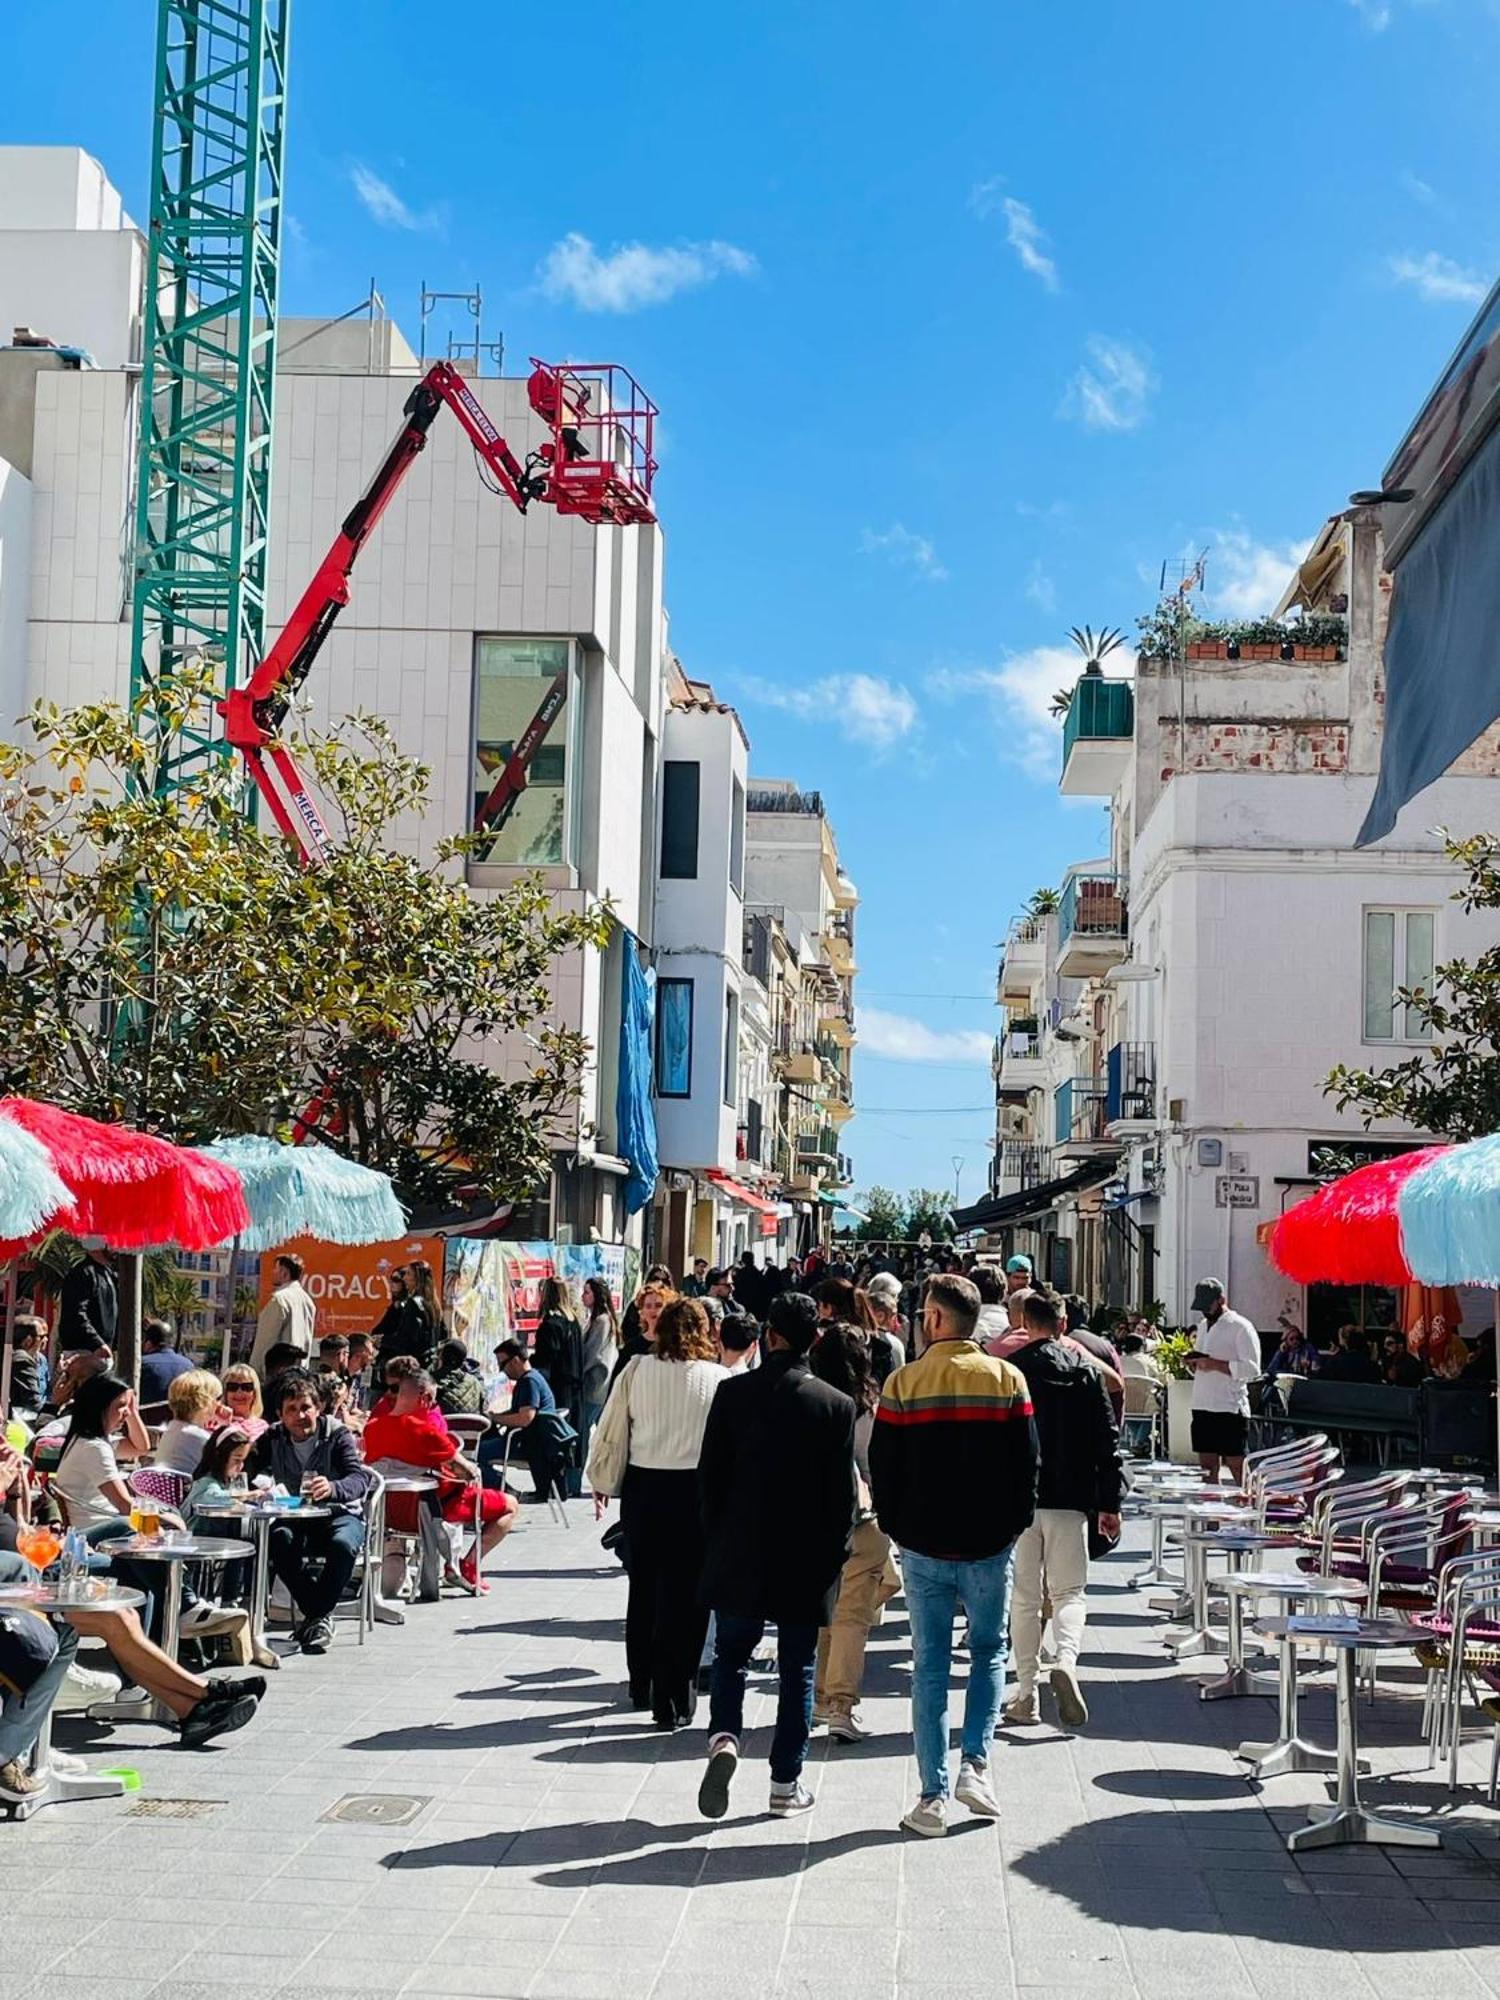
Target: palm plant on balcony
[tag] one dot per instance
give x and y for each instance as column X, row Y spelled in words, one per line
column 1095, row 647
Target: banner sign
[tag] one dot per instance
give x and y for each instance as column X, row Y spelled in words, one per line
column 349, row 1283
column 493, row 1290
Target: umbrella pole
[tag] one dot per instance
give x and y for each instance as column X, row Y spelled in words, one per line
column 234, row 1264
column 10, row 1334
column 128, row 1354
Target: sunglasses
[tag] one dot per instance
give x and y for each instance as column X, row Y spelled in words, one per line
column 239, row 1388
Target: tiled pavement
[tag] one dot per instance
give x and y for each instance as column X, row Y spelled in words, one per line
column 558, row 1853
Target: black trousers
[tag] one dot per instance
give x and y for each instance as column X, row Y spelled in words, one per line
column 664, row 1623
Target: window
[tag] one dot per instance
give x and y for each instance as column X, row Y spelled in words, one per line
column 674, row 1037
column 679, row 820
column 731, row 1045
column 737, row 838
column 1398, row 952
column 526, row 694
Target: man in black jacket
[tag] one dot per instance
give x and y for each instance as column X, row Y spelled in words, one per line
column 1080, row 1476
column 777, row 1483
column 310, row 1454
column 88, row 1302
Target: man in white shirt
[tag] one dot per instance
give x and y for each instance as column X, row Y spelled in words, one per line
column 289, row 1316
column 1225, row 1362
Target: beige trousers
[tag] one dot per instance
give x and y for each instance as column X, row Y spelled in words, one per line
column 869, row 1581
column 1051, row 1574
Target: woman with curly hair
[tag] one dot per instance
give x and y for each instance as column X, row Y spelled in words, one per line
column 661, row 1401
column 842, row 1359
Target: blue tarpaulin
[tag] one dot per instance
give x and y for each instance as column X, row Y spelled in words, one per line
column 635, row 1113
column 1442, row 648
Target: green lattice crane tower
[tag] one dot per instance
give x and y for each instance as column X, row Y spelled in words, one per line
column 203, row 476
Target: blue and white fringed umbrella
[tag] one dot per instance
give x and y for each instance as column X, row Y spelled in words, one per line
column 31, row 1191
column 309, row 1191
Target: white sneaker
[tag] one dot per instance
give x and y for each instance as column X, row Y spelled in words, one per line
column 723, row 1762
column 65, row 1764
column 1023, row 1709
column 789, row 1799
column 929, row 1817
column 82, row 1685
column 204, row 1618
column 975, row 1790
column 847, row 1725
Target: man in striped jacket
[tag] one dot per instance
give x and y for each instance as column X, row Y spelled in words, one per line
column 953, row 1470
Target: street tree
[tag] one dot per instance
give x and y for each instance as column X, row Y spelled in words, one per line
column 928, row 1208
column 1452, row 1086
column 166, row 963
column 885, row 1216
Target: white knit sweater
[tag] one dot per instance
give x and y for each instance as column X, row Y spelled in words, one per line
column 669, row 1411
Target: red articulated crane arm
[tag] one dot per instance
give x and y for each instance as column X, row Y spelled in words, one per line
column 253, row 714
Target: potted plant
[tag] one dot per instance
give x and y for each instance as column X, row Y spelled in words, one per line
column 1171, row 1355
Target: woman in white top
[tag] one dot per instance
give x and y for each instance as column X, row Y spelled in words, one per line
column 667, row 1394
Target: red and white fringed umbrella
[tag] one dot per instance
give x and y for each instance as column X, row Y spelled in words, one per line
column 129, row 1188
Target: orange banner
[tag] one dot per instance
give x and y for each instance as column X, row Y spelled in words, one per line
column 348, row 1281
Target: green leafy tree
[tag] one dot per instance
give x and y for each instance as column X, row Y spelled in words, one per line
column 168, row 964
column 1453, row 1086
column 167, row 1291
column 885, row 1216
column 927, row 1208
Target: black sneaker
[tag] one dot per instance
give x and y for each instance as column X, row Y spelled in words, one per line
column 316, row 1635
column 215, row 1715
column 232, row 1685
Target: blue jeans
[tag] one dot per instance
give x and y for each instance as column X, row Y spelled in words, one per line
column 22, row 1716
column 735, row 1641
column 934, row 1592
column 316, row 1562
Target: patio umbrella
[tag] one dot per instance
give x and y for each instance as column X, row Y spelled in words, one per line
column 30, row 1191
column 1349, row 1232
column 309, row 1191
column 129, row 1188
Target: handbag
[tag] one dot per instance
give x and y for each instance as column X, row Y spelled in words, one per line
column 609, row 1448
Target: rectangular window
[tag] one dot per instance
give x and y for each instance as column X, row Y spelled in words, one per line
column 674, row 1037
column 1398, row 953
column 526, row 705
column 679, row 820
column 731, row 1046
column 737, row 838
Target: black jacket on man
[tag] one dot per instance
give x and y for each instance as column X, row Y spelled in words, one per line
column 777, row 1483
column 336, row 1458
column 88, row 1304
column 1075, row 1427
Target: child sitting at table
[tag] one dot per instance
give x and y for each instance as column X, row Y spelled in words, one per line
column 220, row 1480
column 196, row 1400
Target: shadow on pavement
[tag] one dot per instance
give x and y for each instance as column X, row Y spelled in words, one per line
column 585, row 1851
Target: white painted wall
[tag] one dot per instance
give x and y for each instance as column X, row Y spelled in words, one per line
column 15, row 584
column 72, row 262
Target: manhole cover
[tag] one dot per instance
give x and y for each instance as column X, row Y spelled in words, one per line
column 173, row 1808
column 376, row 1808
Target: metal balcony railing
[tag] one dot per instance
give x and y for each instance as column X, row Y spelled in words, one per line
column 1092, row 906
column 1100, row 710
column 1081, row 1108
column 1023, row 1162
column 1130, row 1090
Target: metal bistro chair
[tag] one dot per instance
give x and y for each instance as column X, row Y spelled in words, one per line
column 1464, row 1629
column 555, row 1506
column 1142, row 1429
column 468, row 1430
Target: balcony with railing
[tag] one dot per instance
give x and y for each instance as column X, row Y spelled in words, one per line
column 836, row 1017
column 1097, row 737
column 750, row 1141
column 1017, row 1064
column 1022, row 959
column 1130, row 1090
column 1091, row 925
column 1081, row 1114
column 838, row 943
column 1019, row 1164
column 802, row 1063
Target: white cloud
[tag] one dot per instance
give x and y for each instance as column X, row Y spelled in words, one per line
column 633, row 275
column 381, row 201
column 1018, row 694
column 1439, row 279
column 1113, row 388
column 865, row 708
column 1039, row 586
column 904, row 550
column 1376, row 14
column 1416, row 187
column 1244, row 577
column 1026, row 237
column 901, row 1039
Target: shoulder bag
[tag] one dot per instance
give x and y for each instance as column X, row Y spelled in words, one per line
column 609, row 1448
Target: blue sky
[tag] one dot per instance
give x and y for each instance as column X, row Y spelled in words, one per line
column 962, row 319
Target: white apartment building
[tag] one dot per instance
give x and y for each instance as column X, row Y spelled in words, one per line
column 462, row 615
column 1171, row 1021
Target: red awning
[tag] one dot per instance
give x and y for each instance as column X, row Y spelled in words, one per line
column 737, row 1191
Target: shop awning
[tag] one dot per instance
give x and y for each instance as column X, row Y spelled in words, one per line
column 768, row 1211
column 996, row 1212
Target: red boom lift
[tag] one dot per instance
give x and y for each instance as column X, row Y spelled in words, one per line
column 598, row 463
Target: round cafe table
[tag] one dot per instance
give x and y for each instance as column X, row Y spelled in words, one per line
column 1237, row 1545
column 1294, row 1589
column 172, row 1551
column 1346, row 1822
column 260, row 1519
column 62, row 1602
